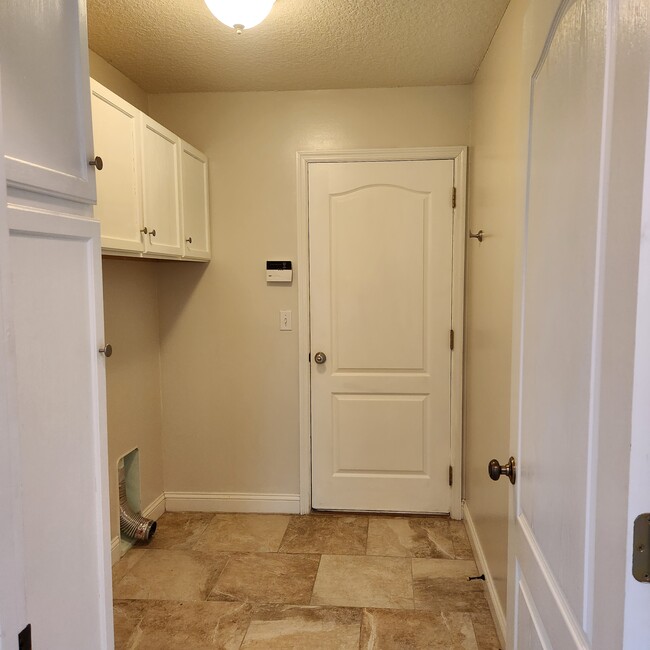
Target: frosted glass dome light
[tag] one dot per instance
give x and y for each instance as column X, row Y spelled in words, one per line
column 240, row 14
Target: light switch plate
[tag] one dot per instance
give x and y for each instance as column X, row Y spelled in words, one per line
column 285, row 320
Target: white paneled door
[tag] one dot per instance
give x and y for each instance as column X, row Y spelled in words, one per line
column 574, row 346
column 55, row 264
column 381, row 291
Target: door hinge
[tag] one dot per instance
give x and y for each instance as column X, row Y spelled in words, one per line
column 453, row 197
column 451, row 339
column 451, row 476
column 640, row 552
column 25, row 638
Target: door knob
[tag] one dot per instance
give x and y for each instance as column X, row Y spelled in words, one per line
column 320, row 357
column 107, row 350
column 496, row 470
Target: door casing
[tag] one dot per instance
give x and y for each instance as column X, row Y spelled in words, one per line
column 303, row 159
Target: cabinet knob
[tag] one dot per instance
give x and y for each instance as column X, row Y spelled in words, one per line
column 152, row 232
column 189, row 240
column 107, row 350
column 144, row 230
column 98, row 163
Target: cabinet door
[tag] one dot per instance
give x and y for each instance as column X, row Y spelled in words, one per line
column 196, row 205
column 116, row 130
column 161, row 189
column 55, row 265
column 46, row 98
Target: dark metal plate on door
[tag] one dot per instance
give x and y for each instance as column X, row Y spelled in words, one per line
column 641, row 551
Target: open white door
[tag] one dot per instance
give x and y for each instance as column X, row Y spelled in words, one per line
column 12, row 591
column 637, row 593
column 574, row 348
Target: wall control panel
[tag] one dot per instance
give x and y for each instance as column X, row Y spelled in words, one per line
column 279, row 271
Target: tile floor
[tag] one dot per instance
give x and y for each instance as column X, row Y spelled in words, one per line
column 319, row 581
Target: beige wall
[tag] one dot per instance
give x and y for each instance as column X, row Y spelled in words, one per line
column 495, row 183
column 114, row 80
column 230, row 377
column 131, row 320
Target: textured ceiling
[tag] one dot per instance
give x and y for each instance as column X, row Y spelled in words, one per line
column 178, row 46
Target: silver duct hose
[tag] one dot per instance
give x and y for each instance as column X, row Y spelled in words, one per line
column 133, row 525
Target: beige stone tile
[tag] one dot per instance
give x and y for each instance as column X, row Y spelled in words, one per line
column 167, row 625
column 462, row 631
column 126, row 563
column 442, row 586
column 171, row 575
column 462, row 547
column 179, row 531
column 330, row 534
column 243, row 533
column 127, row 616
column 410, row 537
column 384, row 629
column 362, row 581
column 485, row 630
column 455, row 569
column 316, row 628
column 267, row 578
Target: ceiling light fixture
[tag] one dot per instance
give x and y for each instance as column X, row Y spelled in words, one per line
column 240, row 14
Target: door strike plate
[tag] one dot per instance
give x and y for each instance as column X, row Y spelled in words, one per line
column 641, row 551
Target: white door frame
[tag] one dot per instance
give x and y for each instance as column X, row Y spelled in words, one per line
column 303, row 159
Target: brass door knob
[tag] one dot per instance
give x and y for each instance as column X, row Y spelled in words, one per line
column 107, row 350
column 496, row 470
column 320, row 357
column 97, row 163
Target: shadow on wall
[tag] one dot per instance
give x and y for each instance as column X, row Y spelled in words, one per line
column 177, row 287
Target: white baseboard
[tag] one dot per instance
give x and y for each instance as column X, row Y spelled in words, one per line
column 498, row 614
column 115, row 550
column 231, row 502
column 155, row 509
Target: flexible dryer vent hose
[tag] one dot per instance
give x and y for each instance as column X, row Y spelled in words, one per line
column 133, row 525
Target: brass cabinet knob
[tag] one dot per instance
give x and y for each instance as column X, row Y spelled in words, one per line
column 152, row 232
column 107, row 350
column 144, row 230
column 496, row 470
column 97, row 163
column 189, row 240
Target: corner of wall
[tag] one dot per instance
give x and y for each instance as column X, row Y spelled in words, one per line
column 109, row 76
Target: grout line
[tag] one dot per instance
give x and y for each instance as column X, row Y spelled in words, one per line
column 311, row 597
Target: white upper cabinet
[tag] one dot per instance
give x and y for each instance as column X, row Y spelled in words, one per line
column 48, row 136
column 161, row 189
column 195, row 203
column 117, row 134
column 152, row 193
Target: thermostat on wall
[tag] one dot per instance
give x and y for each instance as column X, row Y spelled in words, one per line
column 278, row 271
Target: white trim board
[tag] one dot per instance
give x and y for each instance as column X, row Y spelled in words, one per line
column 231, row 502
column 498, row 614
column 303, row 160
column 156, row 508
column 116, row 551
